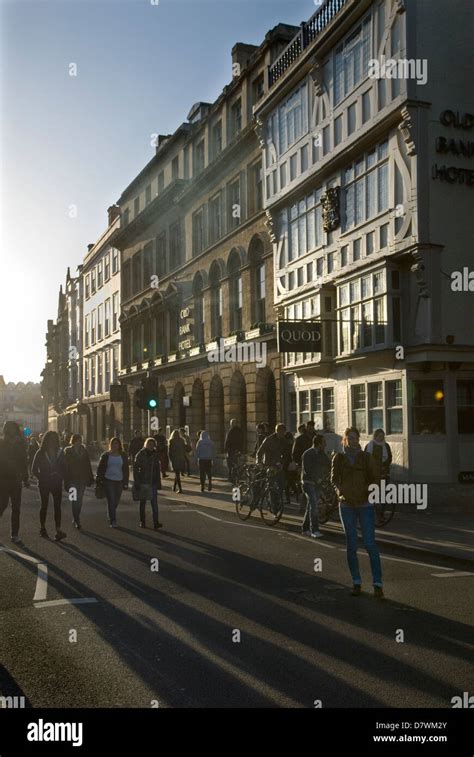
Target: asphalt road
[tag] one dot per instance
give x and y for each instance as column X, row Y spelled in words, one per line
column 235, row 615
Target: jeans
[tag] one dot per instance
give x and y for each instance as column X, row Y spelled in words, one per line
column 77, row 503
column 311, row 521
column 45, row 490
column 205, row 469
column 11, row 490
column 277, row 478
column 177, row 481
column 113, row 492
column 154, row 505
column 366, row 517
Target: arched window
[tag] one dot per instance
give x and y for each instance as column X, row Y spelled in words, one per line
column 216, row 301
column 235, row 292
column 173, row 329
column 198, row 299
column 258, row 282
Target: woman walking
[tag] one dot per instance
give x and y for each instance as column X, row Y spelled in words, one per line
column 48, row 467
column 112, row 475
column 205, row 454
column 78, row 474
column 351, row 476
column 147, row 480
column 177, row 453
column 188, row 449
column 162, row 448
column 13, row 471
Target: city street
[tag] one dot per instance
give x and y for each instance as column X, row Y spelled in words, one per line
column 235, row 615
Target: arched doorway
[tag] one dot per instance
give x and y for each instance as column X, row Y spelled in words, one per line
column 216, row 412
column 179, row 416
column 265, row 398
column 197, row 408
column 238, row 401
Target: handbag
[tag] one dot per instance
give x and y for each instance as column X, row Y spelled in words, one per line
column 99, row 491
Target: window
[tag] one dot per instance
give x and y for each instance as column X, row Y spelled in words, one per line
column 465, row 403
column 88, row 333
column 199, row 157
column 258, row 88
column 292, row 169
column 365, row 187
column 160, row 255
column 88, row 294
column 394, row 407
column 93, row 323
column 198, row 232
column 147, row 264
column 99, row 374
column 320, row 267
column 351, row 61
column 255, row 188
column 107, row 317
column 137, row 272
column 344, row 256
column 107, row 267
column 86, row 377
column 115, row 363
column 175, row 246
column 351, row 118
column 175, row 168
column 136, row 206
column 375, row 406
column 215, row 218
column 260, row 308
column 331, row 261
column 304, row 222
column 148, row 194
column 337, row 130
column 292, row 119
column 161, row 181
column 356, row 250
column 126, row 216
column 292, row 410
column 235, row 293
column 367, row 323
column 216, row 302
column 358, row 408
column 115, row 312
column 235, row 118
column 100, row 280
column 115, row 261
column 304, row 158
column 428, row 407
column 233, row 204
column 366, row 106
column 107, row 371
column 304, row 407
column 216, row 142
column 329, row 424
column 99, row 322
column 93, row 286
column 187, row 150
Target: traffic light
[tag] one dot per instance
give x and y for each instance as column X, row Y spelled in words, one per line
column 146, row 398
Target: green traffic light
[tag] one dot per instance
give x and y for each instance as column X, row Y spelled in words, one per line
column 152, row 403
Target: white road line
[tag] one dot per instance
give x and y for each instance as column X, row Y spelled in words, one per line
column 454, row 574
column 76, row 601
column 41, row 583
column 400, row 559
column 20, row 554
column 206, row 515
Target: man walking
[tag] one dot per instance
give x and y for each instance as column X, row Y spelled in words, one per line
column 233, row 445
column 13, row 470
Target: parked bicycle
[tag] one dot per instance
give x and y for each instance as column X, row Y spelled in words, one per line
column 257, row 489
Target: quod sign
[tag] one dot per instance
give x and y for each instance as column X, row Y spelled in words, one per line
column 299, row 336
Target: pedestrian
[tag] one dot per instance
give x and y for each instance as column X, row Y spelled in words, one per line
column 351, row 476
column 112, row 476
column 78, row 474
column 205, row 454
column 13, row 471
column 33, row 448
column 302, row 442
column 273, row 453
column 315, row 466
column 162, row 449
column 147, row 480
column 177, row 453
column 189, row 449
column 380, row 456
column 233, row 446
column 310, row 430
column 262, row 433
column 135, row 445
column 290, row 469
column 49, row 469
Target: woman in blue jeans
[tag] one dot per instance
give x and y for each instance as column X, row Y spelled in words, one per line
column 351, row 477
column 112, row 474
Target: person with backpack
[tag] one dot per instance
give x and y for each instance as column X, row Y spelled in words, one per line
column 78, row 474
column 13, row 472
column 351, row 476
column 205, row 454
column 147, row 480
column 112, row 477
column 49, row 469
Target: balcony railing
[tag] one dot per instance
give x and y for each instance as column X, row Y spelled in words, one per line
column 307, row 33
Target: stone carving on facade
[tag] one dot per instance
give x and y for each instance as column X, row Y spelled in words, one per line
column 270, row 226
column 417, row 268
column 260, row 132
column 405, row 130
column 317, row 75
column 330, row 202
column 400, row 6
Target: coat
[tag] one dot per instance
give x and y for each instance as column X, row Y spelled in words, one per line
column 380, row 468
column 301, row 444
column 78, row 469
column 275, row 450
column 233, row 441
column 102, row 467
column 135, row 446
column 177, row 454
column 13, row 462
column 146, row 468
column 49, row 472
column 205, row 447
column 352, row 480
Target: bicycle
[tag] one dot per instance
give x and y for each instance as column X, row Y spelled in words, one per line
column 258, row 490
column 329, row 504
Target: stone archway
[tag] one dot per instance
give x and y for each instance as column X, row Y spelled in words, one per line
column 216, row 412
column 266, row 398
column 238, row 401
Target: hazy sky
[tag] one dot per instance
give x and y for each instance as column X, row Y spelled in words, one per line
column 80, row 140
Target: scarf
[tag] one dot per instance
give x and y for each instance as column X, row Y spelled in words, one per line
column 370, row 448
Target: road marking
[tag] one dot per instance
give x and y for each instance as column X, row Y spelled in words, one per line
column 41, row 591
column 20, row 554
column 206, row 515
column 454, row 574
column 76, row 601
column 400, row 559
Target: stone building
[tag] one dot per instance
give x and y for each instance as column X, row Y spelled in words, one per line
column 197, row 265
column 368, row 181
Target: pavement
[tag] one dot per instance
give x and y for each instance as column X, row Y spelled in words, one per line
column 210, row 611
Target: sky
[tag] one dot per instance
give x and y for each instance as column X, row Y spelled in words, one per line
column 79, row 140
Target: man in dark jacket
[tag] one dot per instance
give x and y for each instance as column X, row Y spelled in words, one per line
column 147, row 480
column 78, row 474
column 302, row 442
column 135, row 445
column 315, row 466
column 13, row 471
column 275, row 453
column 233, row 445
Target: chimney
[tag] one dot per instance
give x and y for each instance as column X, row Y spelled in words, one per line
column 113, row 213
column 89, row 247
column 160, row 140
column 241, row 54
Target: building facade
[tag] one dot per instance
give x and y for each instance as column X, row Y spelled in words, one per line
column 197, row 266
column 368, row 186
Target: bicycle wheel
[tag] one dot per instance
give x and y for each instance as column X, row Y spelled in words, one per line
column 243, row 506
column 384, row 514
column 271, row 505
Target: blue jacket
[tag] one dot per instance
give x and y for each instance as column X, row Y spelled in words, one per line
column 205, row 447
